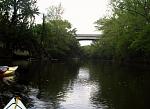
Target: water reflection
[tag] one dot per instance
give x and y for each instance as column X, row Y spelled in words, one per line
column 38, row 103
column 83, row 89
column 73, row 85
column 50, row 83
column 122, row 87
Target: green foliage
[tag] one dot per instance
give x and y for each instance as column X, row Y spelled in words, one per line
column 18, row 11
column 16, row 20
column 126, row 33
column 59, row 39
column 56, row 35
column 53, row 38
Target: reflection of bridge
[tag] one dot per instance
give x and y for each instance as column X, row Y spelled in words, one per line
column 91, row 37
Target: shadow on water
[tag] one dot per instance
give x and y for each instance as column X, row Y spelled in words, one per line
column 50, row 81
column 78, row 85
column 121, row 86
column 40, row 84
column 47, row 82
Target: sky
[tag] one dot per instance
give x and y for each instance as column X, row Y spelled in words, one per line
column 80, row 13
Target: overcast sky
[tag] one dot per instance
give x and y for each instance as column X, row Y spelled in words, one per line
column 80, row 13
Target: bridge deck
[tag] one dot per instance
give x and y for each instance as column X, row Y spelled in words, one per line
column 87, row 36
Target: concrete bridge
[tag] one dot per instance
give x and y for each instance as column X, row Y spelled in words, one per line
column 91, row 37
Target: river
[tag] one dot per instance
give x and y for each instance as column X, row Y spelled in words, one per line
column 78, row 85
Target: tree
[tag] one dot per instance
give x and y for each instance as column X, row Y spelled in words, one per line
column 60, row 40
column 57, row 35
column 19, row 11
column 16, row 18
column 55, row 12
column 125, row 33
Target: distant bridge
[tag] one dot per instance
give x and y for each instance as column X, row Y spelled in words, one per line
column 91, row 37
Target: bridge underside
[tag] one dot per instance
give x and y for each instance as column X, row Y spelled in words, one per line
column 85, row 39
column 89, row 37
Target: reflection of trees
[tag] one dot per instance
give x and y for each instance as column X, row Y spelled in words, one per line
column 120, row 87
column 52, row 79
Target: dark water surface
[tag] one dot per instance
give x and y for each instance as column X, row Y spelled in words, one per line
column 78, row 85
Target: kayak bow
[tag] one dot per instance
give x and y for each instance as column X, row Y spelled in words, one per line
column 15, row 103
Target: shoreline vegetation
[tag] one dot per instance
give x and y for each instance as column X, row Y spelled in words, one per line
column 125, row 33
column 21, row 37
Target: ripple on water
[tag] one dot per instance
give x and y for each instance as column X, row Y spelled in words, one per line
column 38, row 103
column 82, row 91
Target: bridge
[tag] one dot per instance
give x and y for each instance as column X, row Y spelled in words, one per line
column 91, row 37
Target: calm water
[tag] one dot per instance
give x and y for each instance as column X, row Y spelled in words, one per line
column 78, row 85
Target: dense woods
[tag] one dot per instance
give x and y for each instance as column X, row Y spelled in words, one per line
column 21, row 36
column 125, row 33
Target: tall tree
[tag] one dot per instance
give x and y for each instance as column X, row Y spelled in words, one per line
column 17, row 16
column 19, row 11
column 55, row 12
column 125, row 33
column 58, row 37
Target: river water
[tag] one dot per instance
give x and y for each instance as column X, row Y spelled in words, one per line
column 77, row 85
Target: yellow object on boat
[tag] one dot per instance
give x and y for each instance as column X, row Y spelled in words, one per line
column 9, row 72
column 12, row 68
